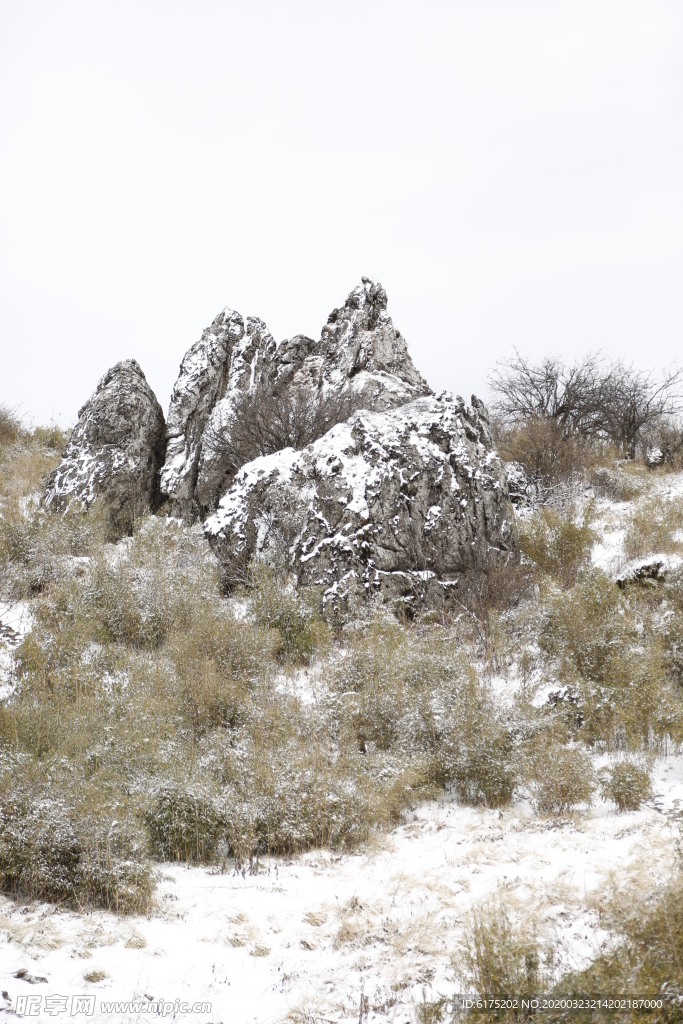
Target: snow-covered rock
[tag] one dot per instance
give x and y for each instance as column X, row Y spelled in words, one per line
column 360, row 355
column 392, row 502
column 647, row 571
column 115, row 450
column 200, row 384
column 522, row 490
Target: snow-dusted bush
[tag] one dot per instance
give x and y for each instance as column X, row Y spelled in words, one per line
column 618, row 483
column 670, row 627
column 561, row 777
column 559, row 543
column 418, row 698
column 626, row 783
column 39, row 548
column 549, row 454
column 9, row 426
column 646, row 958
column 145, row 596
column 277, row 606
column 48, row 852
column 503, row 956
column 654, row 527
column 217, row 659
column 609, row 652
column 26, row 457
column 183, row 826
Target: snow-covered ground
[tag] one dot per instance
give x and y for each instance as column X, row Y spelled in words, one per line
column 309, row 936
column 15, row 623
column 612, row 520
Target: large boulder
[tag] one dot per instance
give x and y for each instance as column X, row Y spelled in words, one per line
column 395, row 503
column 360, row 360
column 115, row 451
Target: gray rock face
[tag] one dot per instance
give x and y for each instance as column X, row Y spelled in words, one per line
column 360, row 340
column 200, row 384
column 115, row 451
column 360, row 357
column 521, row 489
column 395, row 503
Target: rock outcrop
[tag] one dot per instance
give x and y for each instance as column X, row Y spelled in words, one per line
column 360, row 358
column 115, row 451
column 366, row 483
column 395, row 503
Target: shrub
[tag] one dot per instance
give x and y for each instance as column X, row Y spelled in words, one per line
column 52, row 437
column 670, row 627
column 26, row 459
column 148, row 592
column 652, row 528
column 549, row 454
column 217, row 660
column 562, row 777
column 265, row 419
column 587, row 627
column 626, row 784
column 612, row 659
column 47, row 853
column 481, row 768
column 646, row 958
column 475, row 755
column 498, row 587
column 616, row 482
column 183, row 826
column 277, row 606
column 9, row 426
column 559, row 544
column 500, row 956
column 420, row 699
column 38, row 547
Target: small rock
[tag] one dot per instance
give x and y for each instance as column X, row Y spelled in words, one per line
column 646, row 572
column 32, row 979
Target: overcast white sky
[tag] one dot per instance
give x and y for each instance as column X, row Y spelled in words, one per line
column 511, row 171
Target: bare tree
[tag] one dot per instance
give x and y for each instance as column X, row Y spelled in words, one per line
column 550, row 390
column 264, row 421
column 592, row 398
column 632, row 402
